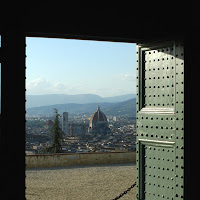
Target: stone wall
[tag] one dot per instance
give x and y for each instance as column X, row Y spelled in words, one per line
column 78, row 159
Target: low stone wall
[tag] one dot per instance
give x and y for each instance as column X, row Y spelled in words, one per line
column 77, row 159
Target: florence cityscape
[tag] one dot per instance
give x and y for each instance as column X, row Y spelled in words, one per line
column 78, row 93
column 78, row 138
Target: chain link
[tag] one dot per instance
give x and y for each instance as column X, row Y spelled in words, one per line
column 125, row 192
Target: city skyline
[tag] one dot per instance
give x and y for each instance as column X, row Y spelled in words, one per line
column 66, row 66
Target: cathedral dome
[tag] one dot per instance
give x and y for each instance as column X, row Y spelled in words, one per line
column 98, row 116
column 98, row 123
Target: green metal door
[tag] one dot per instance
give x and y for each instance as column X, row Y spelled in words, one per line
column 160, row 121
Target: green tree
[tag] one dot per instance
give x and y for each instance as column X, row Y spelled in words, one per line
column 57, row 134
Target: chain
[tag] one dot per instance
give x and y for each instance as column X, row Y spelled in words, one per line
column 125, row 192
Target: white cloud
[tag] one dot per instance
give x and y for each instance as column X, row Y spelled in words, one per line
column 128, row 77
column 124, row 85
column 43, row 86
column 37, row 84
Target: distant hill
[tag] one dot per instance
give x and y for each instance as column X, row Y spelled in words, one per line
column 120, row 98
column 72, row 108
column 123, row 108
column 53, row 99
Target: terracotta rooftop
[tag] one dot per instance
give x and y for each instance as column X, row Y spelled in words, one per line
column 98, row 116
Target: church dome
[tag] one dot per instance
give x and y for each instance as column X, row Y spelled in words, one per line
column 98, row 116
column 98, row 123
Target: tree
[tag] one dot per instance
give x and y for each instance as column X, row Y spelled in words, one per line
column 57, row 134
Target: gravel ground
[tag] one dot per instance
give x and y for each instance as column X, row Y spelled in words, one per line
column 102, row 182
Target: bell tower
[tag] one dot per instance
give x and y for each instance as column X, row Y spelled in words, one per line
column 65, row 123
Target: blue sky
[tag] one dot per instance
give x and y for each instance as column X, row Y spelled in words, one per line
column 63, row 66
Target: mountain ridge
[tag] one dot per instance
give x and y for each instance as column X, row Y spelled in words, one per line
column 127, row 107
column 53, row 99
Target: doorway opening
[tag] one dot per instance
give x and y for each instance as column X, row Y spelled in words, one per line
column 92, row 86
